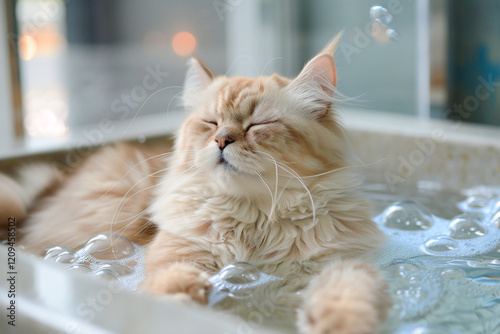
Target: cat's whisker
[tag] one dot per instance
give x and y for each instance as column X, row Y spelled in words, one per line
column 124, row 199
column 140, row 191
column 142, row 105
column 343, row 168
column 269, row 62
column 115, row 221
column 161, row 155
column 172, row 99
column 238, row 59
column 273, row 203
column 306, row 189
column 298, row 178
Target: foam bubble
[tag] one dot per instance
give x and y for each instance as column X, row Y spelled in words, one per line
column 117, row 269
column 106, row 247
column 81, row 268
column 239, row 273
column 495, row 219
column 466, row 226
column 440, row 243
column 106, row 275
column 60, row 255
column 477, row 202
column 407, row 216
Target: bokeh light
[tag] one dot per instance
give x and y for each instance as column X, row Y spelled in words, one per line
column 184, row 43
column 28, row 47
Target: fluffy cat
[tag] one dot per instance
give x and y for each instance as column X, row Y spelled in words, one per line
column 259, row 174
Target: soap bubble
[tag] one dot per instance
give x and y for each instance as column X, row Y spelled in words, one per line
column 380, row 14
column 482, row 191
column 66, row 257
column 392, row 35
column 477, row 202
column 407, row 216
column 440, row 243
column 495, row 220
column 424, row 329
column 466, row 226
column 415, row 295
column 117, row 269
column 239, row 273
column 81, row 268
column 105, row 247
column 54, row 251
column 404, row 271
column 61, row 255
column 106, row 275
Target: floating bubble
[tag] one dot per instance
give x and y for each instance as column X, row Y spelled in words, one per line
column 483, row 191
column 477, row 202
column 54, row 251
column 440, row 243
column 380, row 14
column 407, row 216
column 239, row 273
column 466, row 226
column 417, row 294
column 117, row 269
column 105, row 247
column 392, row 35
column 495, row 220
column 60, row 254
column 424, row 329
column 66, row 257
column 406, row 270
column 105, row 274
column 81, row 268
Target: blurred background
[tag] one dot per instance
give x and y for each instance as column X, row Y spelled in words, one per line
column 89, row 64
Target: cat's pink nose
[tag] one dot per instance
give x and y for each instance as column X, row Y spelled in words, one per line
column 223, row 140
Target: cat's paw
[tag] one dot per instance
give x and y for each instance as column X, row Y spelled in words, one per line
column 346, row 298
column 335, row 317
column 183, row 282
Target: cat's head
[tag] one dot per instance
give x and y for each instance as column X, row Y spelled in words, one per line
column 243, row 130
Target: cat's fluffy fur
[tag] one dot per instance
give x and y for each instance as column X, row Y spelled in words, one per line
column 259, row 174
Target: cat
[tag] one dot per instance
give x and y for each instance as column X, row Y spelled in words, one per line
column 258, row 173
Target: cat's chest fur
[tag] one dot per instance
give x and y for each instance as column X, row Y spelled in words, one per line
column 296, row 239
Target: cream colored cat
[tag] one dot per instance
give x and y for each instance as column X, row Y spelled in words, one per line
column 258, row 174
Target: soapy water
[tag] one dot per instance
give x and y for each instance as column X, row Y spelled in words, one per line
column 106, row 257
column 443, row 273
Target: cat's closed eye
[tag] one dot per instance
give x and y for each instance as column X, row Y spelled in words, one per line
column 271, row 122
column 210, row 122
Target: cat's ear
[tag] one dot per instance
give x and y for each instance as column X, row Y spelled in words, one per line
column 198, row 77
column 316, row 82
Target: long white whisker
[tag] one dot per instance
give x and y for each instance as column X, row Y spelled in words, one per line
column 124, row 200
column 127, row 199
column 342, row 168
column 270, row 193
